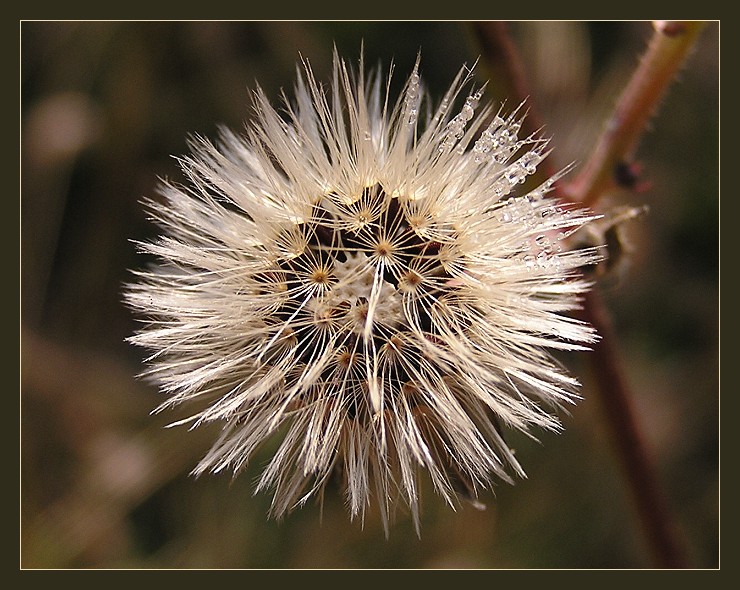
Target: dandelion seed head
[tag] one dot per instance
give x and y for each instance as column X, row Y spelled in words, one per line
column 369, row 283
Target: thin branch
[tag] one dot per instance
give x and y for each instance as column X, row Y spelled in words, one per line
column 621, row 419
column 669, row 46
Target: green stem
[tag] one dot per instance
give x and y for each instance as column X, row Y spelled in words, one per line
column 669, row 46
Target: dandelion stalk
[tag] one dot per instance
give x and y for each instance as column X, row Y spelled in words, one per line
column 670, row 44
column 658, row 526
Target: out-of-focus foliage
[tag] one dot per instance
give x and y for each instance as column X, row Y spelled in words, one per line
column 105, row 106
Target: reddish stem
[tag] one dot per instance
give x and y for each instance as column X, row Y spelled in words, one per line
column 669, row 46
column 622, row 422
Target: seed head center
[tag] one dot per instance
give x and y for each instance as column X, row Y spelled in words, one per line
column 384, row 249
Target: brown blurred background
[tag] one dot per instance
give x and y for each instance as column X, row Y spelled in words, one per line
column 106, row 105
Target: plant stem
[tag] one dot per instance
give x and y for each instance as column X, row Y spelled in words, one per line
column 670, row 44
column 618, row 409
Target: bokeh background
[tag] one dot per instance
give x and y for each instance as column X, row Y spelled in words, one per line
column 105, row 106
